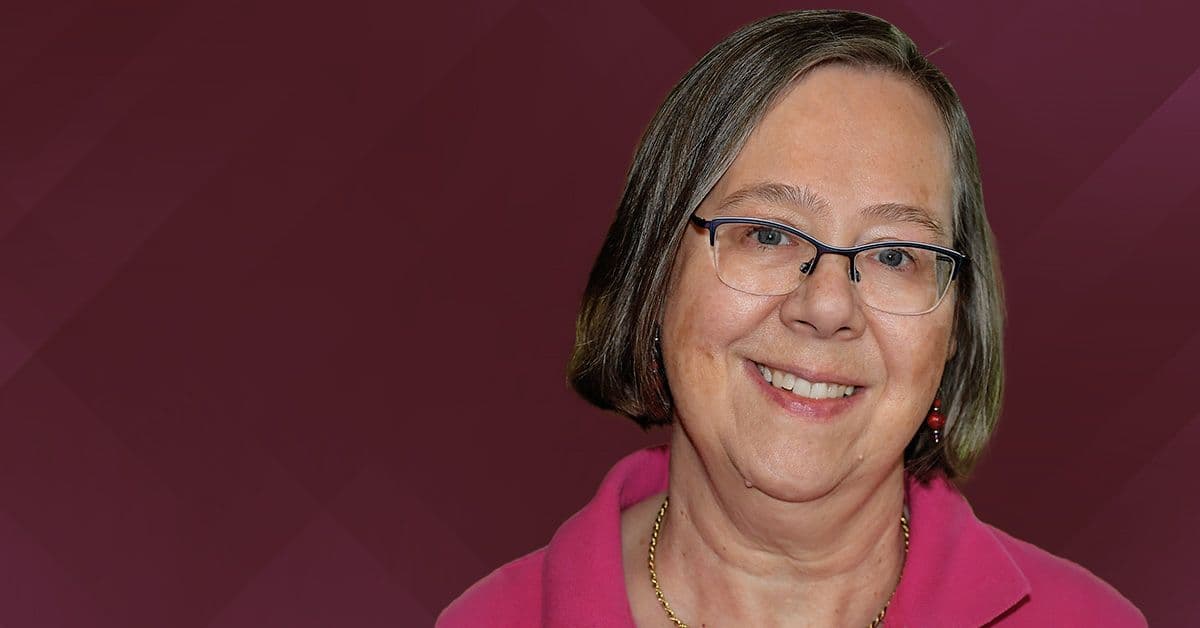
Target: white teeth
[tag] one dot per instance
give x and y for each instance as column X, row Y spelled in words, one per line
column 802, row 387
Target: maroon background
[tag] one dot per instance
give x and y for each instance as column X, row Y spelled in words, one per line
column 286, row 292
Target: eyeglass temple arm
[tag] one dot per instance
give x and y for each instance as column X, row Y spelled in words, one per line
column 705, row 224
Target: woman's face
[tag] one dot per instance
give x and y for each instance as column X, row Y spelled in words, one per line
column 855, row 138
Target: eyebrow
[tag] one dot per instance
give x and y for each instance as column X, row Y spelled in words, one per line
column 802, row 197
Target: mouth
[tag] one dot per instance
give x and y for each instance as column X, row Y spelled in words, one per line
column 800, row 387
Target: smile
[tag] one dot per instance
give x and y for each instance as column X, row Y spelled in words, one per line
column 802, row 387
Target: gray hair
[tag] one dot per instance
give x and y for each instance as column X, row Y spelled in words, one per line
column 692, row 140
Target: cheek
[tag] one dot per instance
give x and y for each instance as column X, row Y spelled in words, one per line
column 707, row 317
column 914, row 351
column 704, row 322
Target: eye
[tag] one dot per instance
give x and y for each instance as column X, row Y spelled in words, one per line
column 769, row 236
column 893, row 258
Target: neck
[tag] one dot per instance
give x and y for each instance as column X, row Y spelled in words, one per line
column 737, row 554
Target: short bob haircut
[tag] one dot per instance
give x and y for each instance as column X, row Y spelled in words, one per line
column 693, row 138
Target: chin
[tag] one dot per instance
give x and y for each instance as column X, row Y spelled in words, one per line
column 790, row 474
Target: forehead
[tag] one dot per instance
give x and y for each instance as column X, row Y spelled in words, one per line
column 857, row 137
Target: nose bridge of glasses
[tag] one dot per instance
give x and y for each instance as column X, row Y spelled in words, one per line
column 809, row 267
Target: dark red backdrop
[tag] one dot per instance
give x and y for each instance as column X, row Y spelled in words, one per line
column 286, row 292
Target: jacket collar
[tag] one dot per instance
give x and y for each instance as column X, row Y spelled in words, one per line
column 957, row 572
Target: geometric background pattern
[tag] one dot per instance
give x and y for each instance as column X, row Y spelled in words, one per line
column 287, row 290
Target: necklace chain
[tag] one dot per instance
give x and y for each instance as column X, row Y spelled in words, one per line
column 658, row 593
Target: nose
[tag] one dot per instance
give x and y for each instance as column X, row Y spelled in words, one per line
column 825, row 302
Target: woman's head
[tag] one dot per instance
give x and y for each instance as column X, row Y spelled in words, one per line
column 832, row 104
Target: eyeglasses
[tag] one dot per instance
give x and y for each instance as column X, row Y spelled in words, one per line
column 767, row 258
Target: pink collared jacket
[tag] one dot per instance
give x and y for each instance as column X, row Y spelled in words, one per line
column 959, row 573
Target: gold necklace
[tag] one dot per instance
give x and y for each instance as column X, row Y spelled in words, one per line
column 658, row 593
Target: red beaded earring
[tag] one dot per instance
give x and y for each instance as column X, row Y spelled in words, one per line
column 936, row 421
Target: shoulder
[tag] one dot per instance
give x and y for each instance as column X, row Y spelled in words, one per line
column 509, row 596
column 1062, row 592
column 579, row 573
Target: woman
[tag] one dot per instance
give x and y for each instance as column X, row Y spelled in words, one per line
column 802, row 281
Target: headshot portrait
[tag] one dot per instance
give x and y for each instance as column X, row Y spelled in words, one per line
column 626, row 313
column 800, row 285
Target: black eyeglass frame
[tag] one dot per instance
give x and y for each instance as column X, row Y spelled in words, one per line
column 959, row 259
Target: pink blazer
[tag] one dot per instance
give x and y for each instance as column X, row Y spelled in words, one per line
column 960, row 572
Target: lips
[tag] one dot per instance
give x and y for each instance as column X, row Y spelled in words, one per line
column 824, row 409
column 801, row 387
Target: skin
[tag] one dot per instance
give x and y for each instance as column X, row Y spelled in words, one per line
column 776, row 520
